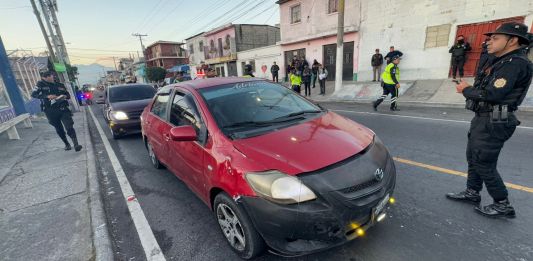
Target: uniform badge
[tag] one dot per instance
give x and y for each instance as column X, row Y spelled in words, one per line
column 499, row 83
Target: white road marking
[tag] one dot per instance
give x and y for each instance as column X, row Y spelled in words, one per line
column 149, row 243
column 416, row 117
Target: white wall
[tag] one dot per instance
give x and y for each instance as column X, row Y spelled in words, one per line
column 262, row 56
column 403, row 23
column 315, row 21
column 196, row 57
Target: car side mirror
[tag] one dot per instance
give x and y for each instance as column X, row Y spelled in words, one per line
column 183, row 133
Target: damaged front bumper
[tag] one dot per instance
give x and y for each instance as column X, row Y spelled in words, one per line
column 338, row 215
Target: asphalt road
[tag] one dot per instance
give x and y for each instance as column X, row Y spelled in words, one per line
column 422, row 225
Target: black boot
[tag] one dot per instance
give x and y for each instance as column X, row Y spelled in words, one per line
column 469, row 195
column 501, row 208
column 375, row 105
column 77, row 147
column 67, row 145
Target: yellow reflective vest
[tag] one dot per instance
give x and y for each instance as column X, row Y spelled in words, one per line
column 389, row 71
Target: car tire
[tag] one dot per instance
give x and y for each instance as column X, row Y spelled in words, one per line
column 153, row 158
column 237, row 227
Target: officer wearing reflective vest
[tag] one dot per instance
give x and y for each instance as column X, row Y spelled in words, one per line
column 54, row 102
column 495, row 96
column 391, row 84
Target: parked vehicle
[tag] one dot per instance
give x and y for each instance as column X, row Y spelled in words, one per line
column 276, row 169
column 123, row 107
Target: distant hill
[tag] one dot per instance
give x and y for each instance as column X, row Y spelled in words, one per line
column 90, row 73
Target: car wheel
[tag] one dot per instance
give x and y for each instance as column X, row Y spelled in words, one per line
column 237, row 227
column 153, row 157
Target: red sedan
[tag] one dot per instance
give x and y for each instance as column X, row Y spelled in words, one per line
column 277, row 170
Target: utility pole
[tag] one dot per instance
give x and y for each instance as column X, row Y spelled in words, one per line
column 141, row 40
column 52, row 9
column 60, row 55
column 340, row 47
column 43, row 30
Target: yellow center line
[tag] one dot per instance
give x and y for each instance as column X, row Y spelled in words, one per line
column 455, row 172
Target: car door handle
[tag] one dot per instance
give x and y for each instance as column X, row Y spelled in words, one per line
column 167, row 137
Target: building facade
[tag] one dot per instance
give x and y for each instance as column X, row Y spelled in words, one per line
column 195, row 49
column 425, row 30
column 165, row 54
column 261, row 59
column 223, row 43
column 309, row 31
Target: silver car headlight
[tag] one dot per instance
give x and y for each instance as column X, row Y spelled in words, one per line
column 279, row 187
column 119, row 115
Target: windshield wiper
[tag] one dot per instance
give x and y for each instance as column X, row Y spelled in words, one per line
column 247, row 124
column 294, row 114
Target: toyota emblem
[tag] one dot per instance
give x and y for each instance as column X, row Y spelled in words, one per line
column 379, row 174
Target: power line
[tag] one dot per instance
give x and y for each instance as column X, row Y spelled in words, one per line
column 164, row 18
column 270, row 17
column 212, row 22
column 204, row 13
column 154, row 12
column 15, row 7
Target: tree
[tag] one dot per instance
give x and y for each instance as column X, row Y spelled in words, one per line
column 155, row 74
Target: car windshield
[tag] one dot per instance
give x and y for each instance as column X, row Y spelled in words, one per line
column 131, row 93
column 249, row 106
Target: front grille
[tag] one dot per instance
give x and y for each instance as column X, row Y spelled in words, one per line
column 358, row 187
column 134, row 114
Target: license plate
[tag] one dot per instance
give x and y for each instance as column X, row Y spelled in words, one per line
column 381, row 205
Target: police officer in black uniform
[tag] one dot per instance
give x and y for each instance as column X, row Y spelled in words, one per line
column 54, row 102
column 496, row 94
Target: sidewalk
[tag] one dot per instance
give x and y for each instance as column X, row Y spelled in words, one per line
column 50, row 207
column 434, row 93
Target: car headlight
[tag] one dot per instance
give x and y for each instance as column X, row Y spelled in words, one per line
column 119, row 115
column 278, row 187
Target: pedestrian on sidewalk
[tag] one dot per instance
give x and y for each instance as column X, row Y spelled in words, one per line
column 314, row 70
column 391, row 54
column 296, row 81
column 458, row 51
column 54, row 102
column 377, row 61
column 391, row 84
column 322, row 76
column 306, row 78
column 274, row 69
column 494, row 98
column 248, row 71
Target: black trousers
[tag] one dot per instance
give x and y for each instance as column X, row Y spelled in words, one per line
column 307, row 86
column 458, row 63
column 388, row 89
column 313, row 79
column 296, row 88
column 275, row 77
column 485, row 141
column 61, row 119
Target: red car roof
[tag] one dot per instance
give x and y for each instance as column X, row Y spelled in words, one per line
column 210, row 82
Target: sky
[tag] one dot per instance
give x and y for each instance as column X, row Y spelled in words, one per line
column 95, row 31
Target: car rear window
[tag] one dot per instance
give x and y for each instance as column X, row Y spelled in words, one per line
column 131, row 93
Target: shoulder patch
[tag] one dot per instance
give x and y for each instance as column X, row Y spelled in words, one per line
column 500, row 83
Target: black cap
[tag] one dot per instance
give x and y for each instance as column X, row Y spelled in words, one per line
column 513, row 29
column 396, row 57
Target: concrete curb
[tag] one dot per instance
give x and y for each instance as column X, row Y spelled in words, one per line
column 409, row 103
column 101, row 241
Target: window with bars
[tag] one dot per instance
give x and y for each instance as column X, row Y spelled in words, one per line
column 437, row 36
column 296, row 14
column 201, row 46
